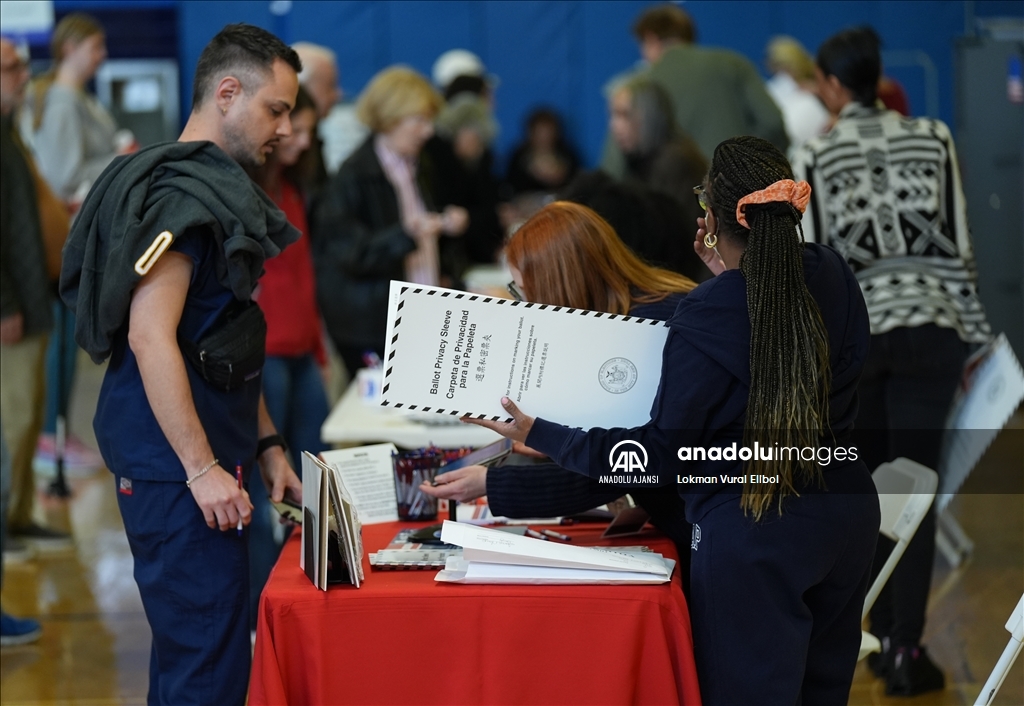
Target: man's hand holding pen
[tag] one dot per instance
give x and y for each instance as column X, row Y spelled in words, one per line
column 222, row 502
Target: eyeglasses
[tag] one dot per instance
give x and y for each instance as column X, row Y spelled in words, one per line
column 513, row 289
column 702, row 200
column 17, row 65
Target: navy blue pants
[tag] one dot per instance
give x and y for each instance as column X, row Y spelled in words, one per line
column 775, row 605
column 194, row 583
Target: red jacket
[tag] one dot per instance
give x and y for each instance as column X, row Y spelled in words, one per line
column 287, row 290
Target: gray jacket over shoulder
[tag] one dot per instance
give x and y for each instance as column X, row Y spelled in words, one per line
column 165, row 188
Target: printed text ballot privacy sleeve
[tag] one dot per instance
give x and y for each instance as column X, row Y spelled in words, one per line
column 456, row 353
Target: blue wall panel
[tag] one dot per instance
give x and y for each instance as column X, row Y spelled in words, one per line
column 608, row 50
column 352, row 29
column 904, row 27
column 198, row 22
column 562, row 53
column 531, row 48
column 419, row 32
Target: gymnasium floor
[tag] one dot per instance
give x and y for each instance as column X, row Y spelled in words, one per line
column 95, row 644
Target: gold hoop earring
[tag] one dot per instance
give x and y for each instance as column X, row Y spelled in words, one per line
column 710, row 240
column 223, row 110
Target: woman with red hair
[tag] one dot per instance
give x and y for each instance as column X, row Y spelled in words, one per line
column 567, row 255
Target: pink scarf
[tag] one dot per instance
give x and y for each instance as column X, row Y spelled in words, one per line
column 421, row 265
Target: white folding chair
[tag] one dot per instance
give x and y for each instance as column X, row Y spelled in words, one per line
column 905, row 492
column 995, row 680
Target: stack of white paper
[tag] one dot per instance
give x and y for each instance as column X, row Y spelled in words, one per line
column 491, row 556
column 369, row 476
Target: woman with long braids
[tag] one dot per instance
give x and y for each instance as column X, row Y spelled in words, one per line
column 751, row 423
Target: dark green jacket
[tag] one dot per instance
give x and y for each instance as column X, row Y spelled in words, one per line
column 171, row 187
column 716, row 94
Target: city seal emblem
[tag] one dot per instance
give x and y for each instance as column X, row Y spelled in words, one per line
column 617, row 375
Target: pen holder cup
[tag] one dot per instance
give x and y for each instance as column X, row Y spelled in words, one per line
column 412, row 469
column 368, row 381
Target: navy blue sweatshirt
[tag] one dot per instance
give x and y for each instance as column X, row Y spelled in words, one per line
column 705, row 379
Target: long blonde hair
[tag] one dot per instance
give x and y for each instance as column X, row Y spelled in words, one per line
column 570, row 256
column 75, row 28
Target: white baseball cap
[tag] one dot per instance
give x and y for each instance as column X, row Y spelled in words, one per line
column 458, row 62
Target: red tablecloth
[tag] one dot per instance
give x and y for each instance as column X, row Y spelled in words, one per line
column 402, row 638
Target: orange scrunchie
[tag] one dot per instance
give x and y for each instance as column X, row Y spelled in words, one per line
column 786, row 190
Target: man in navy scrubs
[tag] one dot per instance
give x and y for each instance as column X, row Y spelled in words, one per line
column 170, row 241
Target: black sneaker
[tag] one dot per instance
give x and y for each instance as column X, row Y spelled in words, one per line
column 880, row 663
column 17, row 550
column 43, row 539
column 913, row 673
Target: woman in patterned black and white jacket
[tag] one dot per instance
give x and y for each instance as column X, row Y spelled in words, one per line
column 886, row 193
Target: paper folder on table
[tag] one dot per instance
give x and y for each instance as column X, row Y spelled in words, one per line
column 491, row 556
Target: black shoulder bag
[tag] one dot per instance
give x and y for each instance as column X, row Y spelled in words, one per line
column 233, row 351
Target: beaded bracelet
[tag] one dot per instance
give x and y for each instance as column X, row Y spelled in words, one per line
column 207, row 467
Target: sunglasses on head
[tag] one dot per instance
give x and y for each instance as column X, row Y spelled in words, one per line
column 698, row 193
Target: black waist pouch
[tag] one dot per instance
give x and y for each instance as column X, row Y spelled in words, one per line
column 233, row 351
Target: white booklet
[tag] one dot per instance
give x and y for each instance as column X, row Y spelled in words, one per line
column 455, row 353
column 458, row 570
column 492, row 556
column 332, row 544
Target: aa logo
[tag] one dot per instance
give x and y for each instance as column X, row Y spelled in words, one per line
column 695, row 537
column 626, row 459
